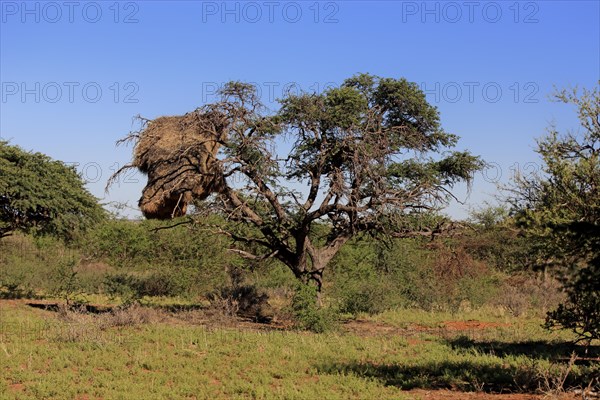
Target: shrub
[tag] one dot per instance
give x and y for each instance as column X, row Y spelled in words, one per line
column 131, row 315
column 520, row 294
column 123, row 285
column 14, row 290
column 34, row 266
column 131, row 287
column 240, row 299
column 66, row 284
column 173, row 261
column 479, row 290
column 306, row 312
column 372, row 297
column 364, row 281
column 581, row 314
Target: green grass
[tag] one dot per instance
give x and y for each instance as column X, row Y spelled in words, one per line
column 45, row 356
column 506, row 327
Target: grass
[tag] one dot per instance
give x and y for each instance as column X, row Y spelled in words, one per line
column 64, row 356
column 499, row 324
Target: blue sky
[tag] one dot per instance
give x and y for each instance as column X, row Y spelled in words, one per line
column 74, row 74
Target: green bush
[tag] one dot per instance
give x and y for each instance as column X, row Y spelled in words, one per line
column 130, row 287
column 372, row 294
column 65, row 282
column 123, row 285
column 580, row 313
column 361, row 282
column 371, row 277
column 180, row 260
column 29, row 266
column 480, row 290
column 307, row 314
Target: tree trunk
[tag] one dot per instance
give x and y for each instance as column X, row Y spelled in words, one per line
column 311, row 273
column 316, row 278
column 311, row 278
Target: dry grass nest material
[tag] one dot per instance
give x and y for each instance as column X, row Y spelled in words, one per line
column 178, row 154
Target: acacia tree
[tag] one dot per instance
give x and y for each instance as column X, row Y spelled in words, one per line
column 43, row 196
column 559, row 212
column 363, row 158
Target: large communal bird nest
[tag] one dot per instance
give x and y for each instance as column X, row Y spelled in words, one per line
column 178, row 154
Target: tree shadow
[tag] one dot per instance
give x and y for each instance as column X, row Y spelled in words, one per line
column 467, row 376
column 463, row 376
column 526, row 367
column 101, row 309
column 82, row 308
column 535, row 349
column 15, row 291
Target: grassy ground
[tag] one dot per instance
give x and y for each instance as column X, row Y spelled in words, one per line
column 396, row 355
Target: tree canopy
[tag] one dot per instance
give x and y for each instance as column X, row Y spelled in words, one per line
column 559, row 210
column 42, row 196
column 364, row 158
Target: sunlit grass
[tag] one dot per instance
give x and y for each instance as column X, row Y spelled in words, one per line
column 45, row 356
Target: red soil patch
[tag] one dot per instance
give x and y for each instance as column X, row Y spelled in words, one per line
column 10, row 303
column 369, row 328
column 311, row 379
column 471, row 325
column 17, row 387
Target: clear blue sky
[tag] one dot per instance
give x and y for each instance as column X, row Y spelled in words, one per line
column 75, row 73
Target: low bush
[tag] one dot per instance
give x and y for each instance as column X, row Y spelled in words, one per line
column 240, row 299
column 370, row 297
column 131, row 315
column 132, row 287
column 307, row 314
column 528, row 293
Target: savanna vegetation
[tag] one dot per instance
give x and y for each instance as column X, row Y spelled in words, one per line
column 42, row 196
column 220, row 303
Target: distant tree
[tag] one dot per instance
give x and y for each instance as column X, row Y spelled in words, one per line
column 370, row 155
column 495, row 240
column 559, row 211
column 42, row 196
column 489, row 216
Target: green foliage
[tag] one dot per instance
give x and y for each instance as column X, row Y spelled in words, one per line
column 123, row 243
column 43, row 196
column 494, row 239
column 66, row 283
column 560, row 213
column 367, row 276
column 308, row 314
column 273, row 275
column 337, row 130
column 179, row 260
column 581, row 314
column 361, row 284
column 126, row 360
column 489, row 216
column 371, row 276
column 30, row 265
column 477, row 290
column 370, row 154
column 130, row 287
column 370, row 297
column 125, row 286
